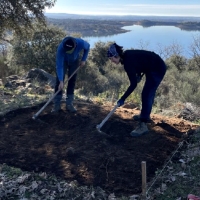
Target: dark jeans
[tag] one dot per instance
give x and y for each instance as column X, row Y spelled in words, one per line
column 153, row 80
column 69, row 69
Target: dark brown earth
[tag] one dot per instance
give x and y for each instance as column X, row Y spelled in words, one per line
column 70, row 146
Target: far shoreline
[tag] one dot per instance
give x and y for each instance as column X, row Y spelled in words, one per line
column 101, row 27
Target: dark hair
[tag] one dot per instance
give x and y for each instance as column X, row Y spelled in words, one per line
column 119, row 49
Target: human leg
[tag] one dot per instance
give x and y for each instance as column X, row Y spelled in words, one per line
column 148, row 95
column 71, row 86
column 138, row 118
column 58, row 97
column 153, row 80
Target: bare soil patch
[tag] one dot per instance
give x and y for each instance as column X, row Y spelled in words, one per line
column 69, row 145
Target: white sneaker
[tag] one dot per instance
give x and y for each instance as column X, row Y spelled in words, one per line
column 141, row 129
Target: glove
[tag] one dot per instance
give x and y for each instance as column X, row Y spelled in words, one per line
column 120, row 102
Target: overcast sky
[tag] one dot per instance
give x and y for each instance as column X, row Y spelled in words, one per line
column 128, row 7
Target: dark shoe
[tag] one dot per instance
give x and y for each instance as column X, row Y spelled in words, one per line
column 71, row 108
column 141, row 129
column 56, row 108
column 137, row 118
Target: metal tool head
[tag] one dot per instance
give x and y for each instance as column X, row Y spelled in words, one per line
column 38, row 120
column 98, row 128
column 34, row 117
column 101, row 132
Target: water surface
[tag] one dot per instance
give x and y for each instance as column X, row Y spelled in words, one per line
column 150, row 38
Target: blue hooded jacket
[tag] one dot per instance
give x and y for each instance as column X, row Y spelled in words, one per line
column 62, row 56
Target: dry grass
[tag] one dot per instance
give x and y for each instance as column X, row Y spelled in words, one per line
column 180, row 176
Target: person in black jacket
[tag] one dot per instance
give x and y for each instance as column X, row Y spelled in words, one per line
column 136, row 64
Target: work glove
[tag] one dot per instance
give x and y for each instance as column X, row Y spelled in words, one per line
column 120, row 102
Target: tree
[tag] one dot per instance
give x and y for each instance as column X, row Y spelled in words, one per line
column 15, row 14
column 37, row 49
column 98, row 55
column 195, row 50
column 167, row 51
column 90, row 80
column 178, row 62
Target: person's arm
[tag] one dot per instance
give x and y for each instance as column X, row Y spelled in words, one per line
column 59, row 63
column 133, row 85
column 86, row 49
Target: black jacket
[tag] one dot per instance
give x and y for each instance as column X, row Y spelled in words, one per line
column 137, row 62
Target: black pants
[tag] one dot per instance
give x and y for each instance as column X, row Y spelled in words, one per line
column 153, row 80
column 69, row 68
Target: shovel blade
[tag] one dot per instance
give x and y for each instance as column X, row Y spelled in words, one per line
column 101, row 132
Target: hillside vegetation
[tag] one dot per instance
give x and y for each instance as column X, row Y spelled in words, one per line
column 180, row 84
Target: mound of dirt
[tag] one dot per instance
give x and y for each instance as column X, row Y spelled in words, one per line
column 69, row 145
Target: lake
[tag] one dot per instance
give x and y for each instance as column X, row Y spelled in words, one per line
column 150, row 38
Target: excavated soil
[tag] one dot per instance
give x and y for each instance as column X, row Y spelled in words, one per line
column 69, row 145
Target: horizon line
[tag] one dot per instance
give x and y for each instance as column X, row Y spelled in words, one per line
column 123, row 15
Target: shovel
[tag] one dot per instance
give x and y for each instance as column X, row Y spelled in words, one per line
column 99, row 126
column 36, row 115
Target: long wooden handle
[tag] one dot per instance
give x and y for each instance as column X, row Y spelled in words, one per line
column 107, row 117
column 36, row 115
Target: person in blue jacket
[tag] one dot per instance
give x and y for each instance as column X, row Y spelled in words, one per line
column 136, row 64
column 67, row 61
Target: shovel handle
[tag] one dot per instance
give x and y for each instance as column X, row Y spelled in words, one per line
column 36, row 115
column 107, row 117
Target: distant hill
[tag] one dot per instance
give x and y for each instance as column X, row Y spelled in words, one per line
column 124, row 17
column 90, row 26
